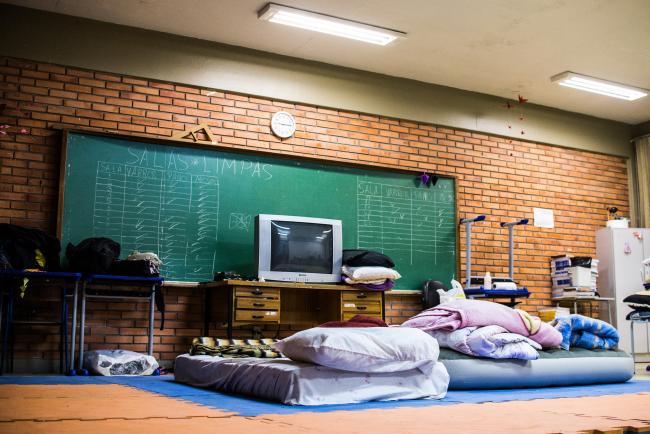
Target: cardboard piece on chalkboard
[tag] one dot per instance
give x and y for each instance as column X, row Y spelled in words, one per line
column 199, row 134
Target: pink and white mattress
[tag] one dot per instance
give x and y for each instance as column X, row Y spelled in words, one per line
column 298, row 383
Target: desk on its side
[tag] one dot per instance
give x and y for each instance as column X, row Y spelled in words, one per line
column 241, row 302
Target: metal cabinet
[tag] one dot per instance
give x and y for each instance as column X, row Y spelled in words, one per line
column 621, row 252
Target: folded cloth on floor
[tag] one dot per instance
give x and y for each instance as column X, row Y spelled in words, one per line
column 370, row 274
column 357, row 321
column 493, row 341
column 463, row 313
column 210, row 347
column 584, row 332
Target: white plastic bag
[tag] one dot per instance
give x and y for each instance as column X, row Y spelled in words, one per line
column 119, row 362
column 454, row 293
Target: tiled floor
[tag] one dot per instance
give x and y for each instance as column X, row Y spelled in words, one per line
column 129, row 408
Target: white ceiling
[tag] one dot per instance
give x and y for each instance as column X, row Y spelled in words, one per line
column 497, row 47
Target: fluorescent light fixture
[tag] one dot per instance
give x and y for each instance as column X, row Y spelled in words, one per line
column 326, row 24
column 599, row 86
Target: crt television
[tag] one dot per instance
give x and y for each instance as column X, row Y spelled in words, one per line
column 298, row 249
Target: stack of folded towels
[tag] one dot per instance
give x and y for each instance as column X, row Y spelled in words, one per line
column 368, row 270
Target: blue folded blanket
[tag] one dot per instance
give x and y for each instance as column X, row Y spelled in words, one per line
column 585, row 332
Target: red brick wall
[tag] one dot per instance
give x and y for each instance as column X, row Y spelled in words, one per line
column 497, row 176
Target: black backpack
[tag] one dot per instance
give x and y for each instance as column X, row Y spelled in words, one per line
column 18, row 247
column 430, row 296
column 92, row 255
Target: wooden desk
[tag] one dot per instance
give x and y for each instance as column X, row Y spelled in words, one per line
column 301, row 304
column 575, row 300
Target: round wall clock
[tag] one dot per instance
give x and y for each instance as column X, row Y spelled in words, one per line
column 283, row 124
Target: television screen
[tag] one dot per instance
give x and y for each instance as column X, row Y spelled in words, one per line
column 301, row 247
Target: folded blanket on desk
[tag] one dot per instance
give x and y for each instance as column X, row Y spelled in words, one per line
column 234, row 348
column 493, row 341
column 463, row 313
column 584, row 332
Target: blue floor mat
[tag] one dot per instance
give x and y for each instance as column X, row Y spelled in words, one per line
column 244, row 406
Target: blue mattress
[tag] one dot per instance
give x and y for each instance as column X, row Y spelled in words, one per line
column 553, row 368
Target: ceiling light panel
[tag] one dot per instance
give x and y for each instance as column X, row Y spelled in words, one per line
column 326, row 24
column 599, row 86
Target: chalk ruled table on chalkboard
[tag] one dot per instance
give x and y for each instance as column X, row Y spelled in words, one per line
column 172, row 213
column 406, row 220
column 195, row 207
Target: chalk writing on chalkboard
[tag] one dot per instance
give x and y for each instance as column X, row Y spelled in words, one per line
column 406, row 221
column 195, row 207
column 147, row 210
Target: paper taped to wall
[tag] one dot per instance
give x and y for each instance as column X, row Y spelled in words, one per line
column 543, row 218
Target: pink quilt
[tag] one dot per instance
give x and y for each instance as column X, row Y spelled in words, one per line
column 468, row 313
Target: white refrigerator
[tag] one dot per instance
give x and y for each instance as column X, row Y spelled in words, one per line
column 620, row 252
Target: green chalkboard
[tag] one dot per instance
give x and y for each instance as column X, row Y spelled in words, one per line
column 196, row 207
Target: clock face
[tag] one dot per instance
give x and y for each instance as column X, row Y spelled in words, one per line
column 283, row 124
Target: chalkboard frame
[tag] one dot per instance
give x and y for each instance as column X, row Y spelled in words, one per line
column 150, row 139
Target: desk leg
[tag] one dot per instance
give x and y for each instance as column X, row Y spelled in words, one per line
column 8, row 338
column 3, row 326
column 207, row 311
column 230, row 313
column 73, row 333
column 575, row 307
column 63, row 332
column 151, row 320
column 5, row 333
column 632, row 335
column 82, row 327
column 609, row 311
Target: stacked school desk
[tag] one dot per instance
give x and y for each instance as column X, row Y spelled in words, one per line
column 91, row 291
column 67, row 282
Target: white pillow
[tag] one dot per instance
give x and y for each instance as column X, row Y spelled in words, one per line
column 370, row 273
column 369, row 349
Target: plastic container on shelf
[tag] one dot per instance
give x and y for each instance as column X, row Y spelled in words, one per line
column 487, row 281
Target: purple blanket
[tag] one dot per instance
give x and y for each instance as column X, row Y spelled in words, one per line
column 476, row 313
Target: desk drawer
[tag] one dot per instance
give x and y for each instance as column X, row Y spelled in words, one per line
column 361, row 295
column 363, row 307
column 257, row 315
column 256, row 303
column 257, row 292
column 347, row 316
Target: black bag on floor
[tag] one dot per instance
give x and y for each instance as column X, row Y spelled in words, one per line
column 92, row 255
